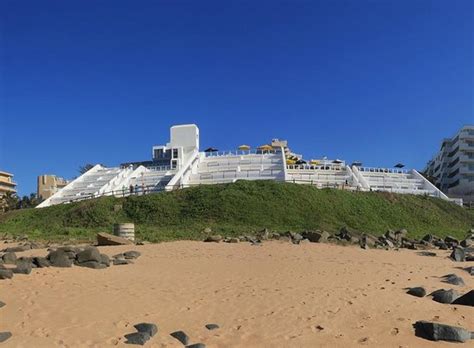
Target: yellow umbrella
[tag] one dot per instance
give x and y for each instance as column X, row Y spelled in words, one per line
column 265, row 147
column 290, row 161
column 244, row 147
column 315, row 162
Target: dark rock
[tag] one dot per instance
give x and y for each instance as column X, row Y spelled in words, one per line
column 234, row 240
column 196, row 345
column 6, row 273
column 59, row 258
column 428, row 238
column 149, row 328
column 344, row 234
column 213, row 239
column 466, row 300
column 441, row 332
column 453, row 279
column 9, row 258
column 180, row 336
column 296, row 238
column 458, row 254
column 89, row 254
column 417, row 291
column 2, row 304
column 212, row 326
column 22, row 268
column 118, row 262
column 467, row 242
column 276, row 235
column 109, row 239
column 304, row 241
column 41, row 262
column 5, row 336
column 426, row 253
column 316, row 236
column 137, row 338
column 91, row 264
column 131, row 254
column 445, row 296
column 451, row 241
column 105, row 260
column 391, row 235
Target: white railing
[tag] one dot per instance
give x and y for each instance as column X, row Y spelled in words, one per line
column 314, row 167
column 241, row 153
column 383, row 170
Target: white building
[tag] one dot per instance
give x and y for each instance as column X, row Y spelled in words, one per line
column 452, row 168
column 180, row 164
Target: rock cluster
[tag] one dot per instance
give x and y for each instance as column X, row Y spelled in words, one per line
column 145, row 331
column 65, row 256
column 441, row 332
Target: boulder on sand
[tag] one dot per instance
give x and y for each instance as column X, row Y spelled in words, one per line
column 139, row 338
column 458, row 254
column 89, row 254
column 213, row 239
column 466, row 300
column 444, row 296
column 9, row 257
column 6, row 273
column 59, row 258
column 417, row 291
column 41, row 262
column 109, row 239
column 180, row 336
column 149, row 328
column 452, row 279
column 441, row 332
column 316, row 236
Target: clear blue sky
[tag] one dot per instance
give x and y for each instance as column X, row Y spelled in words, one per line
column 379, row 81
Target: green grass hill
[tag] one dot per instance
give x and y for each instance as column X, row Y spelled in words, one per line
column 242, row 207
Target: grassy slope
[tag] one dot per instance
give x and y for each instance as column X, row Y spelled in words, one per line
column 243, row 207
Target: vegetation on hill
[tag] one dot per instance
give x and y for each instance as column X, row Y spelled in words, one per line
column 242, row 208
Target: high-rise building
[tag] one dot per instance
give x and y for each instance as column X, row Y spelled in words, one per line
column 452, row 168
column 48, row 185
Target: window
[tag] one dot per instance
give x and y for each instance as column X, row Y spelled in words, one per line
column 174, row 164
column 453, row 173
column 158, row 153
column 175, row 153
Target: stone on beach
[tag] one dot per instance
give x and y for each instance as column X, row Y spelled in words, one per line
column 213, row 239
column 196, row 345
column 2, row 304
column 41, row 262
column 119, row 262
column 5, row 336
column 445, row 296
column 466, row 300
column 59, row 258
column 109, row 239
column 453, row 279
column 139, row 338
column 441, row 332
column 417, row 291
column 458, row 254
column 132, row 254
column 89, row 254
column 91, row 264
column 212, row 326
column 6, row 273
column 180, row 336
column 149, row 328
column 9, row 257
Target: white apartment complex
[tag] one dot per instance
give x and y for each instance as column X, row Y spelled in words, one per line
column 181, row 164
column 452, row 168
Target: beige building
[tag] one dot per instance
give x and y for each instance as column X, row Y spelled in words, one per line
column 48, row 185
column 7, row 185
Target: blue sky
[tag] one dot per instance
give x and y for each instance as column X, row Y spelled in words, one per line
column 102, row 81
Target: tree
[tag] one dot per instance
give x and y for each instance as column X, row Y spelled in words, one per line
column 8, row 201
column 85, row 168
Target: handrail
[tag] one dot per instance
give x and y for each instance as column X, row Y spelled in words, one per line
column 383, row 170
column 241, row 152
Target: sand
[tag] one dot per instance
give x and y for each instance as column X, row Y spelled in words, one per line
column 275, row 295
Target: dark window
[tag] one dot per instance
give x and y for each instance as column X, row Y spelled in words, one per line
column 453, row 173
column 456, row 183
column 175, row 153
column 453, row 163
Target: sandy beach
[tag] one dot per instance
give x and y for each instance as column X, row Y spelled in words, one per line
column 274, row 295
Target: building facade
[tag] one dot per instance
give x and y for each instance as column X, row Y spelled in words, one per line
column 180, row 164
column 452, row 168
column 48, row 185
column 7, row 185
